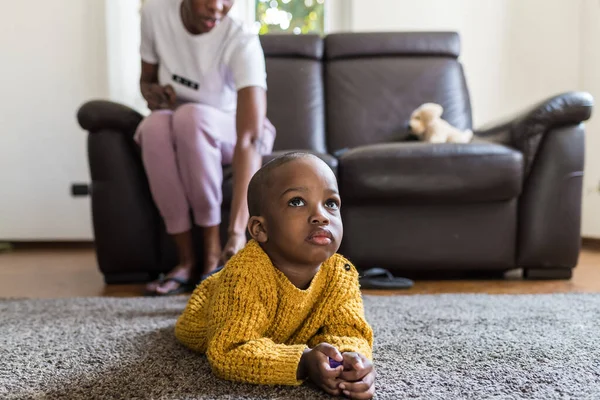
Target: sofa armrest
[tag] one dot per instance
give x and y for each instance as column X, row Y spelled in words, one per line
column 549, row 228
column 125, row 220
column 526, row 130
column 97, row 115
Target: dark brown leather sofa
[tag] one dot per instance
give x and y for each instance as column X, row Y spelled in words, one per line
column 510, row 199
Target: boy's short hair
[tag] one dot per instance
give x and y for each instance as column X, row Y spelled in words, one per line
column 260, row 181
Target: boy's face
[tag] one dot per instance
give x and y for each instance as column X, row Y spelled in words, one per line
column 301, row 220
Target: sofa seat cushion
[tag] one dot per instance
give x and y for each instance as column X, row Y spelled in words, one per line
column 422, row 172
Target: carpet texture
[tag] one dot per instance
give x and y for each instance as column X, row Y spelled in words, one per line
column 427, row 347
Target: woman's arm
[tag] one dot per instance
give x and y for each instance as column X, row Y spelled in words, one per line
column 247, row 159
column 158, row 97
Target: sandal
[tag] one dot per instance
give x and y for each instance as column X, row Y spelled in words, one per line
column 379, row 278
column 185, row 286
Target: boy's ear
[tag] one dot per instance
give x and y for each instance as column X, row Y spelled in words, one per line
column 258, row 229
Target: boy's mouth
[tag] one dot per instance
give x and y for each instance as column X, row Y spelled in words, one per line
column 320, row 237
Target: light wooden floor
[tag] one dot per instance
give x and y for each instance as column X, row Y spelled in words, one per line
column 51, row 273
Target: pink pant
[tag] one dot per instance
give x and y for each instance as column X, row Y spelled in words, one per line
column 183, row 153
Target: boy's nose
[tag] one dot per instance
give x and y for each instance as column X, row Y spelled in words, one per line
column 320, row 220
column 319, row 217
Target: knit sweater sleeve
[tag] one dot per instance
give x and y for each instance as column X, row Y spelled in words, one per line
column 238, row 348
column 346, row 327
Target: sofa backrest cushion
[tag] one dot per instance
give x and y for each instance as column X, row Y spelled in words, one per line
column 295, row 97
column 373, row 82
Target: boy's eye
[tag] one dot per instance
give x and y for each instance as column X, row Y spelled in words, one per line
column 333, row 204
column 296, row 202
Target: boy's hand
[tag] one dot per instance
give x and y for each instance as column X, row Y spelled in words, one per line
column 315, row 364
column 358, row 376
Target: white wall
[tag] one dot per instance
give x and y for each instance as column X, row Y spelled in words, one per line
column 53, row 59
column 512, row 56
column 591, row 82
column 122, row 24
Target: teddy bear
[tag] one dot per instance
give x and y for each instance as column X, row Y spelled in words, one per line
column 427, row 124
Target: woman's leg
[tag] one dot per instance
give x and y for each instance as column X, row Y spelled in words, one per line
column 155, row 137
column 201, row 135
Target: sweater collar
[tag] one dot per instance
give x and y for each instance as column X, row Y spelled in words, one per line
column 254, row 254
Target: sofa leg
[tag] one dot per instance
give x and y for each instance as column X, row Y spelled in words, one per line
column 549, row 273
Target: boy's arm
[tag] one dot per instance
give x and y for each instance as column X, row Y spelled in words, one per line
column 237, row 349
column 347, row 329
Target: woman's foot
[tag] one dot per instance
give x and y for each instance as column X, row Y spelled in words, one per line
column 211, row 262
column 179, row 280
column 183, row 277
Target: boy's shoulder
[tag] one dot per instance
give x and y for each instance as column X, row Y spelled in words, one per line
column 339, row 260
column 341, row 272
column 251, row 263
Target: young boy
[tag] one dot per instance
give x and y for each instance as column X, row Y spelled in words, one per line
column 287, row 303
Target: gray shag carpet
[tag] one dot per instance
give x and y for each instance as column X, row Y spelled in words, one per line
column 426, row 347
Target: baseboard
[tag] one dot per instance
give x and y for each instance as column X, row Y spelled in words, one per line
column 590, row 243
column 48, row 245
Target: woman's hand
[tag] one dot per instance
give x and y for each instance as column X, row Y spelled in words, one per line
column 159, row 97
column 171, row 96
column 234, row 244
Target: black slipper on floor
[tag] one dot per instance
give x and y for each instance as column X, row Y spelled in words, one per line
column 185, row 286
column 379, row 278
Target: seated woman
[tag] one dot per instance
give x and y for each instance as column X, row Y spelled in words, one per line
column 204, row 78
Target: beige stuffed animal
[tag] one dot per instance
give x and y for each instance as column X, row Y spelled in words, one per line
column 426, row 122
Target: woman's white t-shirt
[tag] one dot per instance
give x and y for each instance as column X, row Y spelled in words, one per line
column 208, row 68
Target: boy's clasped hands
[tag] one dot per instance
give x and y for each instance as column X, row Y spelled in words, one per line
column 354, row 378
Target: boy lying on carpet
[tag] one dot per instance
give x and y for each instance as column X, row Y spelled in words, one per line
column 286, row 306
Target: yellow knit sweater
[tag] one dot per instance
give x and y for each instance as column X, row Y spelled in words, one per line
column 253, row 324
